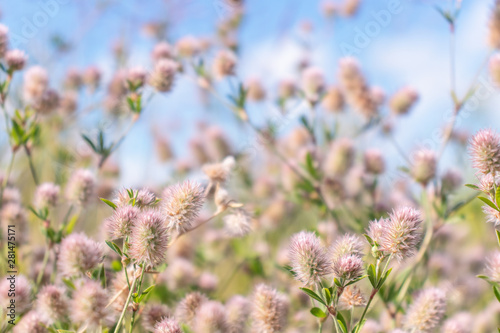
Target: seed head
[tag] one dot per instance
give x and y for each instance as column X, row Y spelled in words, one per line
column 189, row 306
column 52, row 303
column 351, row 297
column 23, row 293
column 153, row 314
column 219, row 172
column 493, row 267
column 136, row 77
column 36, row 80
column 211, row 318
column 4, row 39
column 31, row 322
column 348, row 267
column 492, row 215
column 485, row 151
column 181, row 204
column 255, row 91
column 400, row 234
column 188, row 46
column 313, row 83
column 403, row 100
column 15, row 59
column 168, row 325
column 424, row 166
column 120, row 224
column 340, row 157
column 224, row 64
column 142, row 198
column 149, row 239
column 269, row 310
column 88, row 305
column 346, row 245
column 494, row 26
column 374, row 161
column 333, row 100
column 427, row 311
column 163, row 75
column 79, row 254
column 81, row 186
column 162, row 50
column 238, row 224
column 92, row 77
column 308, row 258
column 238, row 310
column 46, row 195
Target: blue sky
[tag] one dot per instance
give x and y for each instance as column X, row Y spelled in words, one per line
column 412, row 49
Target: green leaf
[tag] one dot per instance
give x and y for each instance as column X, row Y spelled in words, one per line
column 497, row 195
column 356, row 280
column 89, row 142
column 497, row 293
column 382, row 281
column 114, row 247
column 369, row 239
column 342, row 322
column 359, row 326
column 498, row 236
column 317, row 312
column 474, row 187
column 488, row 202
column 310, row 167
column 109, row 203
column 116, row 265
column 328, row 295
column 313, row 295
column 337, row 282
column 69, row 284
column 371, row 275
column 71, row 225
column 148, row 290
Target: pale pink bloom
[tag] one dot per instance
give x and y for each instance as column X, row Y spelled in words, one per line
column 36, row 80
column 163, row 75
column 88, row 305
column 149, row 239
column 493, row 267
column 153, row 314
column 46, row 195
column 211, row 318
column 81, row 186
column 189, row 306
column 403, row 100
column 181, row 204
column 162, row 50
column 120, row 224
column 52, row 303
column 424, row 166
column 224, row 64
column 308, row 258
column 269, row 310
column 31, row 322
column 401, row 233
column 15, row 59
column 78, row 254
column 168, row 325
column 485, row 151
column 426, row 311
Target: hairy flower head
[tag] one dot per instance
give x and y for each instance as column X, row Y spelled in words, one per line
column 120, row 224
column 181, row 204
column 168, row 325
column 401, row 233
column 81, row 186
column 88, row 306
column 52, row 303
column 427, row 310
column 149, row 239
column 485, row 151
column 269, row 310
column 211, row 318
column 78, row 254
column 308, row 258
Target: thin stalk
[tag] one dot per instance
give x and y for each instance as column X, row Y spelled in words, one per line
column 44, row 265
column 122, row 316
column 32, row 166
column 7, row 176
column 132, row 321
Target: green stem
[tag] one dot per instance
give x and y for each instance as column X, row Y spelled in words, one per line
column 7, row 176
column 44, row 265
column 132, row 321
column 32, row 166
column 122, row 316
